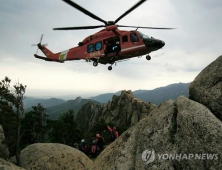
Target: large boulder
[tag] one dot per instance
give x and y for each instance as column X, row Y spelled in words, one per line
column 123, row 111
column 182, row 128
column 207, row 87
column 4, row 153
column 5, row 165
column 53, row 156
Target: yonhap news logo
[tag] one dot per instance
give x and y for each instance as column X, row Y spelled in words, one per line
column 148, row 156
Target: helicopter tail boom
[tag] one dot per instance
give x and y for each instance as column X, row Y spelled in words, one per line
column 50, row 56
column 46, row 59
column 46, row 51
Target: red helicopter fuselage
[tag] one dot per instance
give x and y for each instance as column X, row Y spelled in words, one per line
column 106, row 47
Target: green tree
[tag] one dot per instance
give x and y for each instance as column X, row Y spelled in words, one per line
column 18, row 93
column 12, row 100
column 7, row 119
column 34, row 126
column 64, row 130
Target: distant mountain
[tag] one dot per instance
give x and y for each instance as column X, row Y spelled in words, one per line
column 55, row 111
column 155, row 96
column 31, row 101
column 55, row 106
column 162, row 94
column 104, row 98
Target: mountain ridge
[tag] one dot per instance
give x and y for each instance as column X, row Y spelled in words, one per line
column 32, row 101
column 171, row 91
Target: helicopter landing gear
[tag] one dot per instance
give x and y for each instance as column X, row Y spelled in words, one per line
column 110, row 68
column 95, row 63
column 148, row 57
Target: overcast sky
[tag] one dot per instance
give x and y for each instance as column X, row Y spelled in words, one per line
column 192, row 46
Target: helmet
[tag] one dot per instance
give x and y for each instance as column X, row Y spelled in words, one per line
column 97, row 135
column 114, row 128
column 82, row 140
column 117, row 42
column 93, row 141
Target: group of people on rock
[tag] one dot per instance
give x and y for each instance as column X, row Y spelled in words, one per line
column 97, row 145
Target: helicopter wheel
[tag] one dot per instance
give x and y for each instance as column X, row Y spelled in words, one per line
column 110, row 68
column 95, row 63
column 148, row 57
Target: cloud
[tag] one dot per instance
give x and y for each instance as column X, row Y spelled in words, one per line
column 193, row 45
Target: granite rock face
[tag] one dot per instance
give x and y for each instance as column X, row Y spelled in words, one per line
column 207, row 87
column 5, row 165
column 53, row 156
column 175, row 127
column 181, row 127
column 124, row 111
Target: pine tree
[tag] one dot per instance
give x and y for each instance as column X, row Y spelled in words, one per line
column 12, row 101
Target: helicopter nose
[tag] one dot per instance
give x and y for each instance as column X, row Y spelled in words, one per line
column 153, row 43
column 162, row 43
column 159, row 43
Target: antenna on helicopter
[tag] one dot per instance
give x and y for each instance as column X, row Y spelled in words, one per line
column 39, row 43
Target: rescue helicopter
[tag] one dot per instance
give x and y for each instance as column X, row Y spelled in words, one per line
column 108, row 46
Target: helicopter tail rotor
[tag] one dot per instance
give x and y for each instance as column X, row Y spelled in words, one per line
column 39, row 44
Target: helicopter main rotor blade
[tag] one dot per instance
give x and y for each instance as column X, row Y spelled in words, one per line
column 73, row 4
column 159, row 28
column 130, row 10
column 79, row 28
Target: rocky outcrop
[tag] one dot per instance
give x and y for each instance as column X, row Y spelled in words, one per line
column 124, row 111
column 4, row 153
column 182, row 127
column 53, row 156
column 5, row 165
column 207, row 87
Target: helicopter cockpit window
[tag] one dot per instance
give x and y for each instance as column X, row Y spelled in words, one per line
column 98, row 46
column 134, row 37
column 143, row 36
column 90, row 48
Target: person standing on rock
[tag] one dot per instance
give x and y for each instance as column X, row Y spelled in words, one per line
column 93, row 149
column 82, row 146
column 99, row 142
column 114, row 133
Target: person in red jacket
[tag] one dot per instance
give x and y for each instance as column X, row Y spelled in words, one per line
column 93, row 149
column 114, row 133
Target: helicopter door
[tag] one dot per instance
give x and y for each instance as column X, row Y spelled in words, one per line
column 112, row 46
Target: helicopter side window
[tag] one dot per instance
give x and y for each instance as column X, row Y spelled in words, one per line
column 98, row 46
column 90, row 48
column 125, row 38
column 134, row 37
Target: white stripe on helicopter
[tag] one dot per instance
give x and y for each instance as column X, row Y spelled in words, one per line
column 133, row 48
